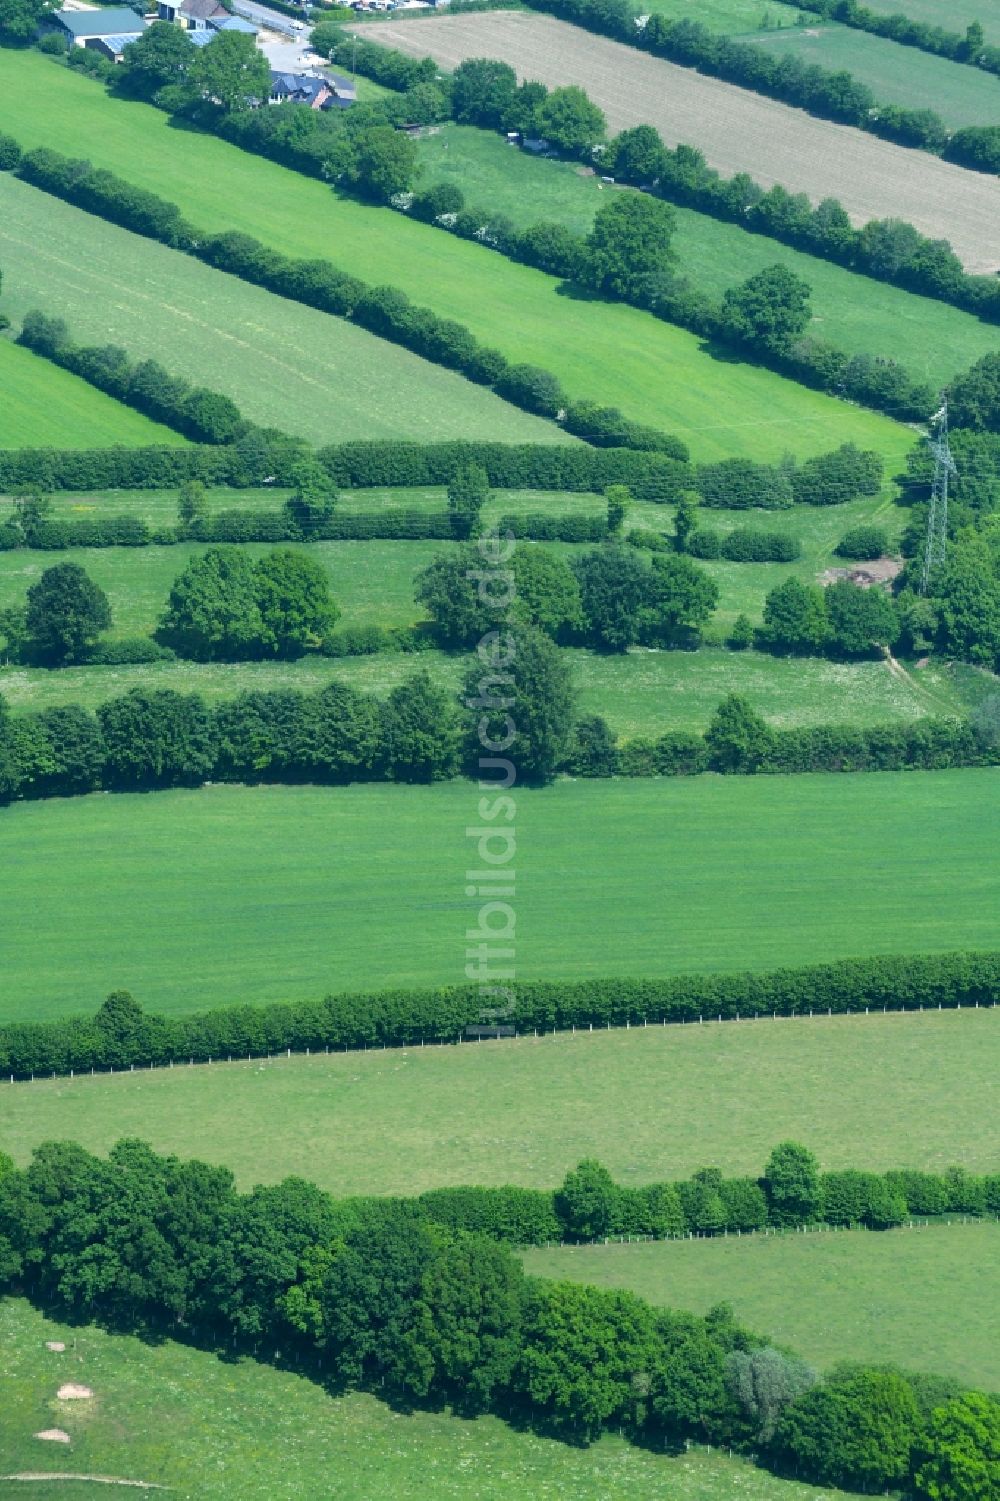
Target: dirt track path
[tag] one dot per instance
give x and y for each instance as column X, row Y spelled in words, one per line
column 738, row 131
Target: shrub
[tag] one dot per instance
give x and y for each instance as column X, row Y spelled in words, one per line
column 863, row 543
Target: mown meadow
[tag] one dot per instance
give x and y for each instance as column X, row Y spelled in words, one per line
column 924, row 1298
column 44, row 406
column 607, row 352
column 650, row 1103
column 197, row 898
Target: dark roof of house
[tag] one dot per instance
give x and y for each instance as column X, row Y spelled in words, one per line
column 108, row 22
column 297, row 83
column 118, row 43
column 202, row 10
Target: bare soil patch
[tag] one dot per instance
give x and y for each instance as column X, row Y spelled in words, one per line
column 72, row 1391
column 737, row 130
column 879, row 571
column 53, row 1435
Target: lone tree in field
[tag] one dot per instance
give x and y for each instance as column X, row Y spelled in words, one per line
column 521, row 704
column 792, row 1185
column 629, row 253
column 192, row 499
column 66, row 613
column 771, row 308
column 618, row 498
column 314, row 498
column 467, row 494
column 738, row 739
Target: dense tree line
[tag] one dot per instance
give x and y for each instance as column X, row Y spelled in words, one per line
column 403, row 1018
column 154, row 738
column 843, row 620
column 887, row 249
column 371, row 1294
column 263, row 458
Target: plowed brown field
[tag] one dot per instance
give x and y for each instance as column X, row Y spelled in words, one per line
column 737, row 130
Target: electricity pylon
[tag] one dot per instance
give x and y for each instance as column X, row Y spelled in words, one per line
column 937, row 518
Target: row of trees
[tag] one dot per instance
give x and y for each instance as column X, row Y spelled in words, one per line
column 368, row 1294
column 609, row 597
column 888, row 249
column 153, row 738
column 791, row 1193
column 968, row 46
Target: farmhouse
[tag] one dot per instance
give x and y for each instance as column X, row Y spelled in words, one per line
column 316, row 91
column 85, row 28
column 193, row 15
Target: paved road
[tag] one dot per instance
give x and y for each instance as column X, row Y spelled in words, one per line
column 261, row 15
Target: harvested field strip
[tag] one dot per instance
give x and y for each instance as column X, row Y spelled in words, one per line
column 862, row 1091
column 925, row 1298
column 612, row 353
column 225, row 894
column 895, row 74
column 42, row 406
column 285, row 365
column 737, row 130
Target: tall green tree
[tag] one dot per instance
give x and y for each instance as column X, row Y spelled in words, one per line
column 769, row 308
column 629, row 252
column 862, row 621
column 212, row 610
column 296, row 608
column 422, row 732
column 521, row 704
column 313, row 498
column 162, row 55
column 231, row 72
column 613, row 588
column 570, row 120
column 738, row 738
column 958, row 1459
column 792, row 1184
column 795, row 618
column 468, row 492
column 66, row 613
column 587, row 1202
column 858, row 1431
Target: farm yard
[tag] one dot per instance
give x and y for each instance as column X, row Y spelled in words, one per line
column 330, row 1165
column 737, row 130
column 925, row 1299
column 932, row 339
column 602, row 351
column 254, row 894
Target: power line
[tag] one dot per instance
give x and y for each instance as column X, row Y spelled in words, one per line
column 937, row 517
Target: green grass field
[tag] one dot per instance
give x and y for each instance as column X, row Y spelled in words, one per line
column 651, row 1103
column 895, row 74
column 372, row 581
column 934, row 341
column 928, row 1299
column 644, row 693
column 196, row 898
column 45, row 407
column 953, row 15
column 286, row 365
column 613, row 353
column 728, row 17
column 214, row 1430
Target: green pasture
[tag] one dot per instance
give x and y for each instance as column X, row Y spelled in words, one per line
column 728, row 17
column 934, row 341
column 875, row 1091
column 643, row 693
column 285, row 365
column 924, row 1298
column 215, row 1430
column 42, row 406
column 372, row 582
column 223, row 894
column 953, row 15
column 895, row 74
column 612, row 353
